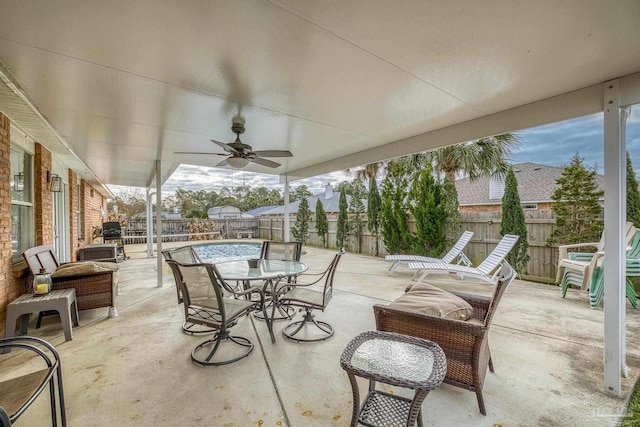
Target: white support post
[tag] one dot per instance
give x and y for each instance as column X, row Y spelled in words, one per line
column 150, row 222
column 614, row 228
column 287, row 226
column 159, row 222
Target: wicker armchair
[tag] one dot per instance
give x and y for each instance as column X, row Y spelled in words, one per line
column 95, row 287
column 465, row 343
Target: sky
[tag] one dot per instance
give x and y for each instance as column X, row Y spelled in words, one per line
column 553, row 145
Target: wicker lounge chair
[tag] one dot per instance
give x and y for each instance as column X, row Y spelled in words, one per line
column 486, row 271
column 465, row 343
column 448, row 258
column 96, row 283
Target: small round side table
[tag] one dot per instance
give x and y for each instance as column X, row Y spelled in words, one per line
column 397, row 360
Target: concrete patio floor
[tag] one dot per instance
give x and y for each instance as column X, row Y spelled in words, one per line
column 135, row 369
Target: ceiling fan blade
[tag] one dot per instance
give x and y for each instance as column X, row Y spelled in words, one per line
column 222, row 163
column 264, row 162
column 199, row 154
column 225, row 147
column 273, row 153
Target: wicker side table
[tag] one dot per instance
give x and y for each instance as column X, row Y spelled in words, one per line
column 397, row 360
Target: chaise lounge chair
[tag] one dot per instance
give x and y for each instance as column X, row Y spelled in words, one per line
column 454, row 252
column 486, row 271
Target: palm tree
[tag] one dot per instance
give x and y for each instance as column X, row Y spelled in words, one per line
column 478, row 158
column 367, row 173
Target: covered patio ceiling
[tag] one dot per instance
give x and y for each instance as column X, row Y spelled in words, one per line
column 113, row 86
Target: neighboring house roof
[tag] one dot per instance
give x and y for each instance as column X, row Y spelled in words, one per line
column 260, row 210
column 536, row 183
column 330, row 204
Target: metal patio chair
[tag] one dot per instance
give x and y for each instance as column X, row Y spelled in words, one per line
column 185, row 255
column 309, row 296
column 209, row 301
column 18, row 393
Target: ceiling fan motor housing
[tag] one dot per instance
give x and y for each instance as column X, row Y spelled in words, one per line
column 237, row 128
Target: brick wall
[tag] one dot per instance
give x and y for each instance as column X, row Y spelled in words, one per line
column 73, row 217
column 43, row 202
column 12, row 284
column 90, row 211
column 498, row 208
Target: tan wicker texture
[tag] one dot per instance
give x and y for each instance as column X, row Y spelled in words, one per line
column 465, row 343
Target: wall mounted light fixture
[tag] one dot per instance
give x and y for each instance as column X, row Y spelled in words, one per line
column 18, row 182
column 56, row 184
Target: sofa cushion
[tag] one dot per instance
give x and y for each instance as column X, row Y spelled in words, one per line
column 427, row 299
column 83, row 268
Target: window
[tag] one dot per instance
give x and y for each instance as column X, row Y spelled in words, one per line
column 530, row 206
column 496, row 187
column 22, row 228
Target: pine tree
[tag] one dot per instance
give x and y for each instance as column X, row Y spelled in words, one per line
column 343, row 225
column 301, row 228
column 576, row 204
column 322, row 225
column 513, row 223
column 356, row 207
column 633, row 195
column 449, row 195
column 393, row 221
column 373, row 213
column 429, row 214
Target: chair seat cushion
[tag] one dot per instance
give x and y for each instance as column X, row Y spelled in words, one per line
column 83, row 268
column 427, row 299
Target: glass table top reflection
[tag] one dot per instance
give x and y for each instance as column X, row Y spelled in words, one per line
column 267, row 269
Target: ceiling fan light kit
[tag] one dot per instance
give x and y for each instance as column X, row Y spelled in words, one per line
column 240, row 155
column 237, row 162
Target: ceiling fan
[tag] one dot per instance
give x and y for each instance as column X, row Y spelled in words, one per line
column 240, row 154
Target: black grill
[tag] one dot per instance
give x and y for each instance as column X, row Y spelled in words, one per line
column 111, row 231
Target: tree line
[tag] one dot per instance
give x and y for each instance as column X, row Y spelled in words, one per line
column 421, row 185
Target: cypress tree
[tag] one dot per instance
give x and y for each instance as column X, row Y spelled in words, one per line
column 513, row 223
column 373, row 212
column 576, row 204
column 429, row 214
column 343, row 225
column 393, row 221
column 450, row 204
column 633, row 195
column 356, row 207
column 301, row 228
column 322, row 225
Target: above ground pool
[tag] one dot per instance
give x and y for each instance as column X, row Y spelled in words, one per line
column 227, row 251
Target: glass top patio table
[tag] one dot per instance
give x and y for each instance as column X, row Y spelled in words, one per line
column 267, row 269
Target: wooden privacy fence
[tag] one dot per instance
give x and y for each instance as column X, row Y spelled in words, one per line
column 176, row 230
column 486, row 235
column 485, row 226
